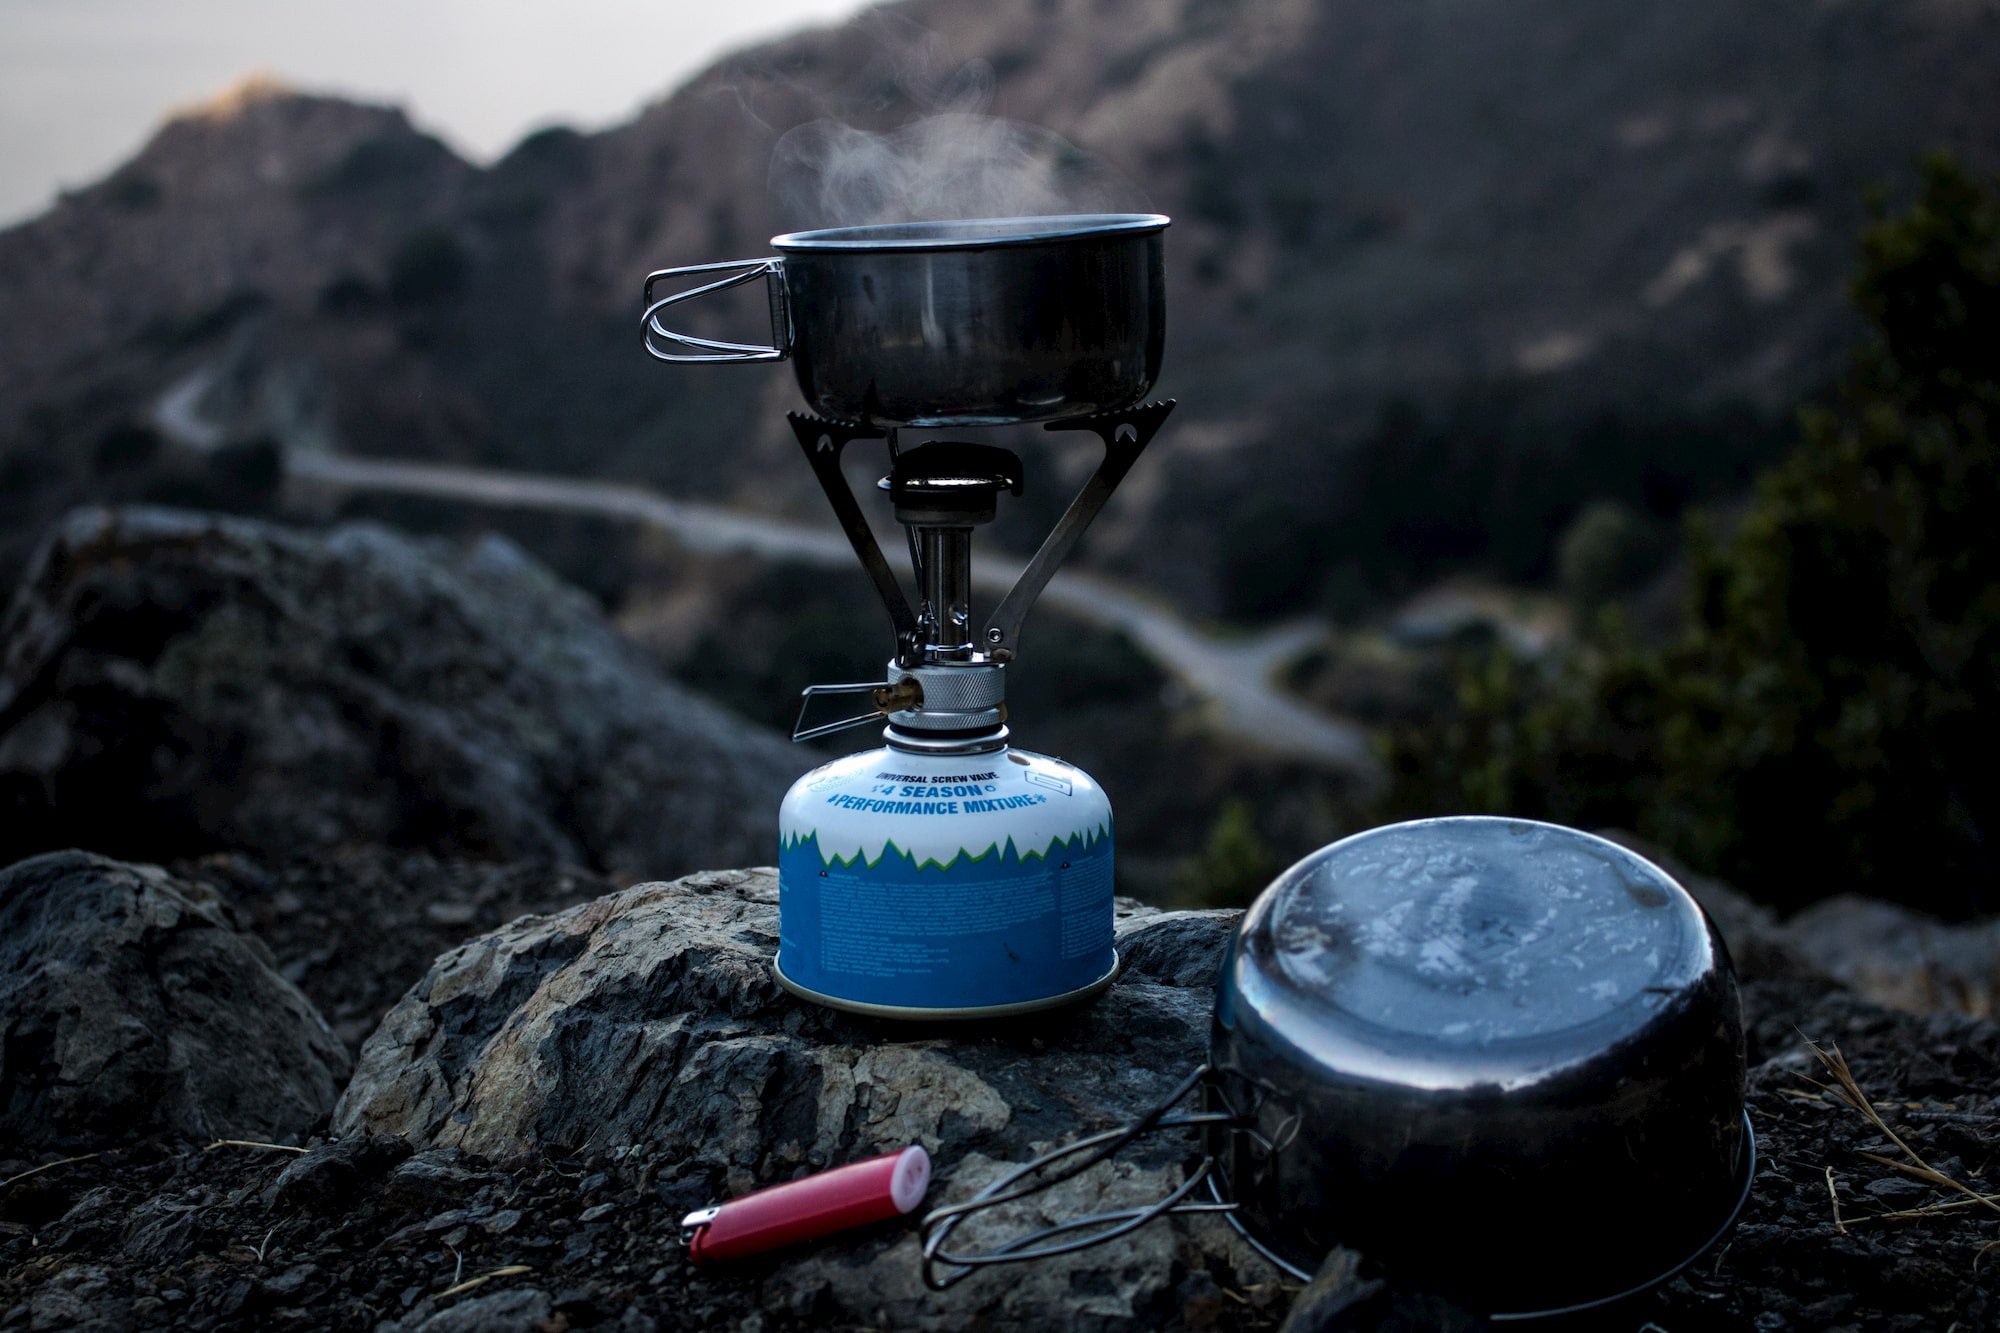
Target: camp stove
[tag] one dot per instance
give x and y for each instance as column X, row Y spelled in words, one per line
column 949, row 874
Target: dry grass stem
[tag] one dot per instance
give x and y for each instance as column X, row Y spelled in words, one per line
column 1834, row 1195
column 251, row 1143
column 511, row 1270
column 1922, row 1173
column 1849, row 1090
column 1928, row 1209
column 46, row 1166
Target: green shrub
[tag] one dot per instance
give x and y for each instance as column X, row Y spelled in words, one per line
column 1607, row 548
column 1828, row 719
column 1234, row 865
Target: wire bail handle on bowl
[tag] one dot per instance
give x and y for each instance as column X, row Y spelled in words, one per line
column 1101, row 1227
column 709, row 350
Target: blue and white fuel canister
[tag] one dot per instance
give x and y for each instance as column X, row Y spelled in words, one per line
column 917, row 885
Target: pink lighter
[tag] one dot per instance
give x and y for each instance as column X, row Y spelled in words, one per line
column 819, row 1205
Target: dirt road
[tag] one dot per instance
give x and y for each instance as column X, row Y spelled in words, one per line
column 1233, row 675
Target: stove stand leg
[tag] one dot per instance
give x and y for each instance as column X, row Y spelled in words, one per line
column 1126, row 435
column 822, row 442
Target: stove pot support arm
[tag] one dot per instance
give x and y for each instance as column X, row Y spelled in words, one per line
column 822, row 442
column 1126, row 435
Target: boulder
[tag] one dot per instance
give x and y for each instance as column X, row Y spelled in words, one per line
column 130, row 1005
column 1902, row 958
column 1893, row 955
column 354, row 929
column 328, row 1174
column 221, row 684
column 650, row 1019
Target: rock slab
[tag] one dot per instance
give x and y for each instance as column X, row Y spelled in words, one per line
column 1902, row 958
column 228, row 684
column 131, row 1005
column 650, row 1018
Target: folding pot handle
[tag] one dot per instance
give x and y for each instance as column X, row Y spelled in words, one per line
column 739, row 271
column 942, row 1268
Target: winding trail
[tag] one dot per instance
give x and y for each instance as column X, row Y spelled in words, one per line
column 1232, row 675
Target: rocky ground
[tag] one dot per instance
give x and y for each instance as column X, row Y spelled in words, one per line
column 356, row 1085
column 539, row 1162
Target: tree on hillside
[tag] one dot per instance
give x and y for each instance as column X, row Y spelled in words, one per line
column 1828, row 719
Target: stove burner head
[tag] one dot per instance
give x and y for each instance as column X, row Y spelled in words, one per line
column 947, row 482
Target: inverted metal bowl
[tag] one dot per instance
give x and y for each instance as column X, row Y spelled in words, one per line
column 980, row 322
column 1504, row 1058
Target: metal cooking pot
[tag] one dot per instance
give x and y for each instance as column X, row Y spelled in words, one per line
column 981, row 322
column 1502, row 1058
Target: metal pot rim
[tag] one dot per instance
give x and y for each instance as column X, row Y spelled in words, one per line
column 1741, row 1196
column 970, row 233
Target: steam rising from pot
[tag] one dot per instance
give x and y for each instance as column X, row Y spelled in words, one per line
column 945, row 166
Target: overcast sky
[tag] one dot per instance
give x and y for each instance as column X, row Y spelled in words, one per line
column 83, row 83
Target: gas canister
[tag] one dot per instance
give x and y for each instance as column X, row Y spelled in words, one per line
column 917, row 885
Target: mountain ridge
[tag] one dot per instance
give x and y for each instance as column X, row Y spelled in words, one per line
column 1586, row 205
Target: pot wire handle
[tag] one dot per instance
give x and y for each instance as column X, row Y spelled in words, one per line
column 712, row 350
column 939, row 1223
